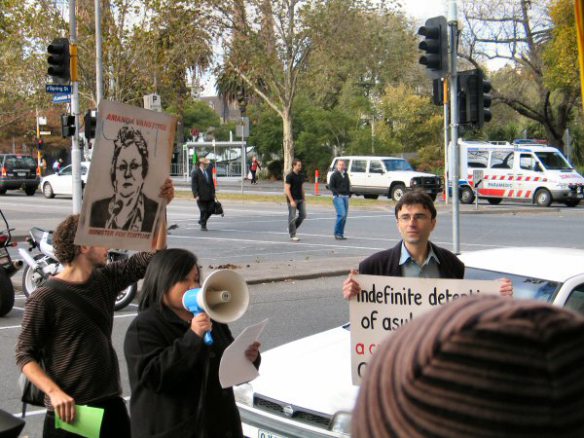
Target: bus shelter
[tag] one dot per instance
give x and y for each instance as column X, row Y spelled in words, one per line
column 229, row 158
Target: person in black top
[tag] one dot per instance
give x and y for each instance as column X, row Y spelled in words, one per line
column 295, row 198
column 173, row 374
column 340, row 185
column 203, row 191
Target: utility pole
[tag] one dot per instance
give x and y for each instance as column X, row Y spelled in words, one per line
column 98, row 54
column 75, row 151
column 446, row 124
column 455, row 155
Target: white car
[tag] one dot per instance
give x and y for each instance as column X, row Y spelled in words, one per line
column 304, row 388
column 61, row 183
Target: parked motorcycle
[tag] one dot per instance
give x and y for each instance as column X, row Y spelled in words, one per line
column 7, row 269
column 41, row 263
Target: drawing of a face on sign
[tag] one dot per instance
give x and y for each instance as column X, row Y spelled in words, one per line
column 129, row 163
column 129, row 208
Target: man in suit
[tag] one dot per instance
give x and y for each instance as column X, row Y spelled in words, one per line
column 415, row 255
column 129, row 208
column 203, row 191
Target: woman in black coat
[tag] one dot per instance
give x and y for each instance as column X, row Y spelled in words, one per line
column 174, row 375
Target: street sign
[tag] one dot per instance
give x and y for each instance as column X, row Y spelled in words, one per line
column 45, row 133
column 58, row 89
column 42, row 121
column 62, row 98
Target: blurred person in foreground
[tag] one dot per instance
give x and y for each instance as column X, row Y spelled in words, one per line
column 174, row 375
column 81, row 365
column 414, row 256
column 477, row 367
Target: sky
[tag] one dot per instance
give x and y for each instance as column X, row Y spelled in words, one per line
column 420, row 10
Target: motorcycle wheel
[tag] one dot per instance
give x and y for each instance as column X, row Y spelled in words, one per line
column 125, row 296
column 6, row 293
column 28, row 284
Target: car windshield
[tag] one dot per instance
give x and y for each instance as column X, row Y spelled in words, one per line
column 392, row 165
column 20, row 163
column 529, row 288
column 553, row 161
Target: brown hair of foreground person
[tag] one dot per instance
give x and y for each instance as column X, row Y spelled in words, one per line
column 478, row 367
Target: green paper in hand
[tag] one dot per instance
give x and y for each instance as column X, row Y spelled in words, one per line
column 87, row 422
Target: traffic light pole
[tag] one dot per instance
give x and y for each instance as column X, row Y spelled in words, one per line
column 75, row 151
column 98, row 55
column 454, row 149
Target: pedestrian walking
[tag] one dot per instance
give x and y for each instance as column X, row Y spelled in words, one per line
column 203, row 191
column 67, row 325
column 295, row 198
column 57, row 164
column 415, row 255
column 173, row 374
column 253, row 168
column 340, row 185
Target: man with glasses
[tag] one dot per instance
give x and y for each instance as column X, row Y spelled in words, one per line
column 129, row 208
column 415, row 255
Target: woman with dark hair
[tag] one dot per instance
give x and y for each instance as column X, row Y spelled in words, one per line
column 174, row 375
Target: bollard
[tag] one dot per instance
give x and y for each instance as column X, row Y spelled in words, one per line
column 215, row 177
column 316, row 175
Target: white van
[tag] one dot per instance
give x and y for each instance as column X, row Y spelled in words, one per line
column 387, row 176
column 523, row 172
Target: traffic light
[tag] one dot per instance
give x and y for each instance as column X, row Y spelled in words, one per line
column 40, row 144
column 59, row 61
column 67, row 125
column 90, row 120
column 474, row 99
column 435, row 45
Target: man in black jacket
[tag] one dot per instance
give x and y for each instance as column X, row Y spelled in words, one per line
column 415, row 255
column 203, row 191
column 340, row 185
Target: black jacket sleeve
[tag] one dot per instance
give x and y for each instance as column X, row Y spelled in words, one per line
column 159, row 365
column 195, row 183
column 334, row 182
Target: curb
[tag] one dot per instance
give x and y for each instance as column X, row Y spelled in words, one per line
column 308, row 276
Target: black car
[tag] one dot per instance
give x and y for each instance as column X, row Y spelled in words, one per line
column 18, row 171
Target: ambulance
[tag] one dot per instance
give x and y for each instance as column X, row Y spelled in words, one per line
column 521, row 171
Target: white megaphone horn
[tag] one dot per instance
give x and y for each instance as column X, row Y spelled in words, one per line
column 224, row 297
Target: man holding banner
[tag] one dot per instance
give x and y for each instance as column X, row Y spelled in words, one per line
column 415, row 255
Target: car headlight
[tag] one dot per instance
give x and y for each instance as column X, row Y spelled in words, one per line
column 342, row 423
column 244, row 394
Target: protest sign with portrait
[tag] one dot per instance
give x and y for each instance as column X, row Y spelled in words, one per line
column 131, row 161
column 386, row 303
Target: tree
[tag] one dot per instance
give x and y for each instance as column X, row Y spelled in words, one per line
column 519, row 32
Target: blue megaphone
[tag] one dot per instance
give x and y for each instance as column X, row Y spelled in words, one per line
column 224, row 297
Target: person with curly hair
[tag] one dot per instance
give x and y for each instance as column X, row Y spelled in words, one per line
column 129, row 208
column 67, row 324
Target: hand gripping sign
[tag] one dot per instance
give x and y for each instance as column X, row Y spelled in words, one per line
column 386, row 303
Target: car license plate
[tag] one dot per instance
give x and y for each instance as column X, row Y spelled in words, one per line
column 21, row 173
column 267, row 434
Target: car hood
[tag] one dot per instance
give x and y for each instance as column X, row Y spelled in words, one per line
column 313, row 373
column 408, row 174
column 565, row 177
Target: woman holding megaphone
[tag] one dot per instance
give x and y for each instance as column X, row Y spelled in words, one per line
column 174, row 374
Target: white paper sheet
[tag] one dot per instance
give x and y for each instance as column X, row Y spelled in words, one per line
column 235, row 368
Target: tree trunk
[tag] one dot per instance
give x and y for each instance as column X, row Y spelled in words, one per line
column 288, row 141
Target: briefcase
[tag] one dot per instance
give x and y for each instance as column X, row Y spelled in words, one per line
column 218, row 208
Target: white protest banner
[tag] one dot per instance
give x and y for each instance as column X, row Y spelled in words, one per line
column 130, row 162
column 386, row 303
